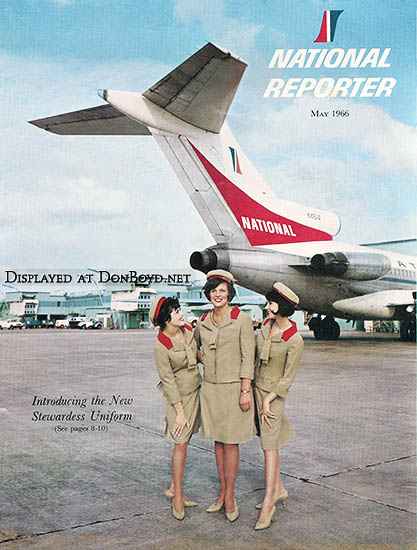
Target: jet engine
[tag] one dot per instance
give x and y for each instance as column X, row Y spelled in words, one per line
column 254, row 269
column 356, row 266
column 208, row 259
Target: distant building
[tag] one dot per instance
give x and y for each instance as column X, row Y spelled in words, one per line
column 121, row 305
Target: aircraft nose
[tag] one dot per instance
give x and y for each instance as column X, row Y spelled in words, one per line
column 103, row 94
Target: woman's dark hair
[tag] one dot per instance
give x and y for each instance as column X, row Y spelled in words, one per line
column 164, row 315
column 214, row 283
column 285, row 308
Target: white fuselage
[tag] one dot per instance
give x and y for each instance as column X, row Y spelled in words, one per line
column 318, row 293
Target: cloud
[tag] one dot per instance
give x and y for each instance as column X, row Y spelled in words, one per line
column 236, row 33
column 367, row 133
column 189, row 11
column 71, row 201
column 364, row 163
column 115, row 202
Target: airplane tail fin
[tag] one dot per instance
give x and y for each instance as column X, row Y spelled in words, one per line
column 185, row 112
column 201, row 89
column 236, row 204
column 231, row 196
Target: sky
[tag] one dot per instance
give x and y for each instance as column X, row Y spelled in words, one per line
column 72, row 202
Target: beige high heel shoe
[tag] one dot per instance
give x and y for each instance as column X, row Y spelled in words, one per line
column 267, row 523
column 187, row 503
column 178, row 515
column 233, row 515
column 280, row 498
column 215, row 507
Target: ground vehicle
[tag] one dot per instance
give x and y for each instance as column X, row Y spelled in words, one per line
column 32, row 323
column 256, row 325
column 90, row 324
column 193, row 321
column 11, row 324
column 47, row 323
column 62, row 323
column 72, row 322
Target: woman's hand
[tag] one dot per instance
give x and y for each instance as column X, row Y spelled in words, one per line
column 266, row 414
column 245, row 401
column 180, row 423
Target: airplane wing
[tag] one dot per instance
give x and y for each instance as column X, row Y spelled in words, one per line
column 200, row 90
column 102, row 120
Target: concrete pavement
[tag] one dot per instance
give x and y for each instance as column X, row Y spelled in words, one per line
column 350, row 471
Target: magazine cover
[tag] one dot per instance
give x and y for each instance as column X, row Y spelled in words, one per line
column 146, row 144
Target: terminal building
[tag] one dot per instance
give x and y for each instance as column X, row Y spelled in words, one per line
column 119, row 304
column 123, row 305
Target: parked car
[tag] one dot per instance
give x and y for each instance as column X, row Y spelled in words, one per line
column 47, row 323
column 32, row 323
column 256, row 325
column 72, row 322
column 62, row 323
column 193, row 321
column 89, row 324
column 11, row 324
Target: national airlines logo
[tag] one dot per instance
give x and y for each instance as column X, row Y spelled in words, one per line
column 356, row 84
column 235, row 160
column 328, row 26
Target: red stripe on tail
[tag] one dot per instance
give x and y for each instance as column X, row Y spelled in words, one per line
column 260, row 225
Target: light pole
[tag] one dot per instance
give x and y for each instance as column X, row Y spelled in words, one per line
column 99, row 292
column 3, row 296
column 14, row 288
column 11, row 286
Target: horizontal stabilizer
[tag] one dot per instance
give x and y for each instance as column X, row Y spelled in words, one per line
column 104, row 120
column 200, row 90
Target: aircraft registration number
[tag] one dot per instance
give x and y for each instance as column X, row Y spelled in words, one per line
column 313, row 215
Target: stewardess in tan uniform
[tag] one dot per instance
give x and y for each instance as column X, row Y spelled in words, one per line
column 225, row 335
column 175, row 355
column 278, row 352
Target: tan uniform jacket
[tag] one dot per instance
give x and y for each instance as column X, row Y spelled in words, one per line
column 277, row 359
column 228, row 348
column 177, row 365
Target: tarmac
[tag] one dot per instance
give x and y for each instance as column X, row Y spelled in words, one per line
column 350, row 470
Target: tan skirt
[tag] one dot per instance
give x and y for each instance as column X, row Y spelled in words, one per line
column 222, row 419
column 274, row 436
column 191, row 404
